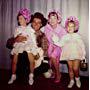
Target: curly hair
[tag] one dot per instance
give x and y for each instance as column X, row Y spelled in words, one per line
column 57, row 13
column 40, row 16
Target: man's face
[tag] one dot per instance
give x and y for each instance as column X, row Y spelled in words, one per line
column 36, row 24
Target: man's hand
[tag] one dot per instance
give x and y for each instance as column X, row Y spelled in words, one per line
column 20, row 39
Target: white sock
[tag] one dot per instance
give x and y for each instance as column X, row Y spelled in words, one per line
column 77, row 78
column 31, row 81
column 12, row 79
column 78, row 82
column 71, row 83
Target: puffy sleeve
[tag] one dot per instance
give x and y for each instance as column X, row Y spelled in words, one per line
column 48, row 33
column 17, row 32
column 81, row 45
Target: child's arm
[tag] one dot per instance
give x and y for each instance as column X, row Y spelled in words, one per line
column 18, row 36
column 17, row 33
column 82, row 45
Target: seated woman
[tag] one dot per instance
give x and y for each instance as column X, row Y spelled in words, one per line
column 37, row 21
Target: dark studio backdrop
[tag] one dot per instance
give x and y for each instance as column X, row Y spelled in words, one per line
column 8, row 22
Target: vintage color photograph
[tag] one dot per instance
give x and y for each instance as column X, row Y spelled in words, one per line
column 44, row 44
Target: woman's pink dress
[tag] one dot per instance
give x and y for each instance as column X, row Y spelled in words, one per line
column 53, row 50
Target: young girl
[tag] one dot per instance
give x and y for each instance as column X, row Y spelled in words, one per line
column 73, row 49
column 54, row 52
column 28, row 44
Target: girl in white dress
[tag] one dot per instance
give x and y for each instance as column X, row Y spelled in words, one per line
column 28, row 44
column 73, row 49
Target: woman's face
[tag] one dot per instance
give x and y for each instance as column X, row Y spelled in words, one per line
column 71, row 27
column 22, row 20
column 36, row 24
column 53, row 20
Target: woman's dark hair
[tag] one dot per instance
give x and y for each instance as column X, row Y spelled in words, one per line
column 39, row 16
column 53, row 14
column 18, row 19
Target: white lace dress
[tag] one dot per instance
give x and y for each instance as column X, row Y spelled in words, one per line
column 72, row 46
column 29, row 45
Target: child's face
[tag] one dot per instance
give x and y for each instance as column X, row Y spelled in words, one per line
column 36, row 24
column 53, row 20
column 71, row 27
column 22, row 20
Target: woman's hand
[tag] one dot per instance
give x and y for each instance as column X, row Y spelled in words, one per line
column 20, row 39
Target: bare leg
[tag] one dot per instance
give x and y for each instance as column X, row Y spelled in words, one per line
column 32, row 62
column 32, row 65
column 57, row 71
column 71, row 73
column 14, row 64
column 52, row 68
column 76, row 65
column 70, row 66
